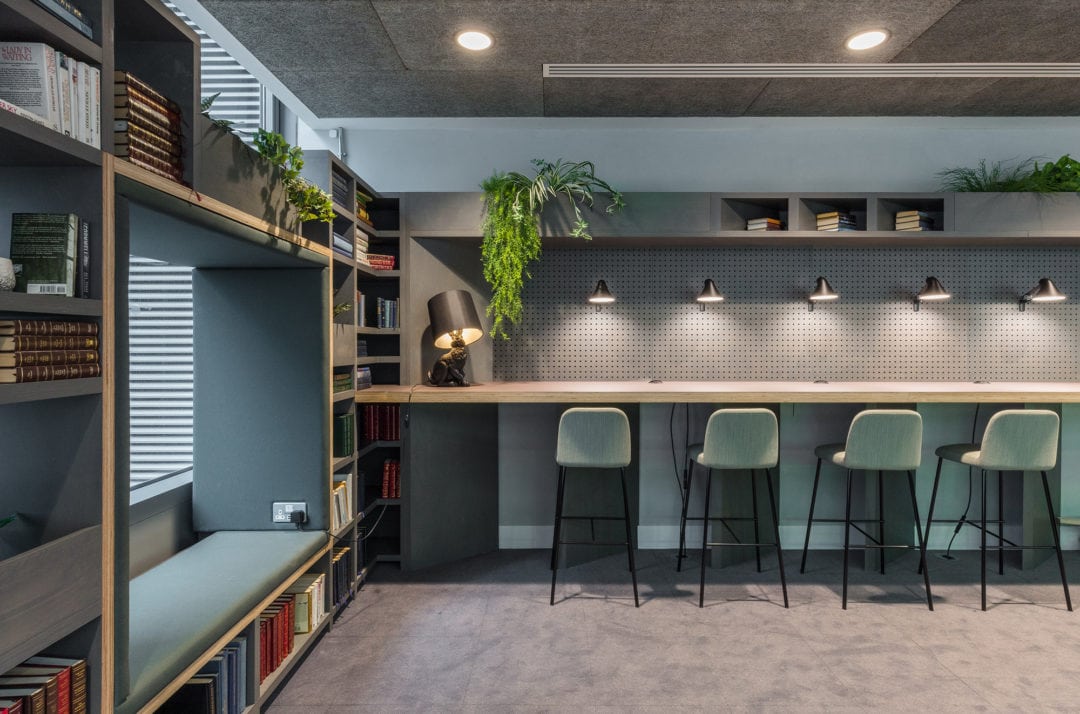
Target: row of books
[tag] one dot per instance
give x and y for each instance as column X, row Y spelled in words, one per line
column 764, row 224
column 309, row 594
column 836, row 221
column 391, row 479
column 362, row 201
column 51, row 254
column 45, row 685
column 220, row 686
column 340, row 568
column 44, row 350
column 50, row 88
column 361, row 348
column 339, row 188
column 386, row 312
column 147, row 127
column 341, row 501
column 363, row 378
column 343, row 382
column 70, row 13
column 363, row 245
column 344, row 434
column 277, row 634
column 382, row 422
column 914, row 221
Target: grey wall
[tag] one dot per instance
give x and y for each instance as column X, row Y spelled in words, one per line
column 697, row 154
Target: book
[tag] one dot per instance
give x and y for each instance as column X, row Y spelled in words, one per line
column 52, row 328
column 139, row 137
column 28, row 79
column 139, row 104
column 26, row 343
column 834, row 229
column 907, row 223
column 153, row 169
column 146, row 114
column 124, row 82
column 86, row 112
column 71, row 14
column 162, row 167
column 900, row 215
column 82, row 265
column 46, row 373
column 78, row 678
column 32, row 698
column 74, row 87
column 43, row 247
column 238, row 648
column 60, row 673
column 44, row 357
column 25, row 114
column 125, row 126
column 63, row 83
column 830, row 214
column 217, row 670
column 11, row 706
column 49, row 681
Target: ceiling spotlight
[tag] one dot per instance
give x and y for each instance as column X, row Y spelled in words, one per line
column 474, row 40
column 601, row 296
column 1045, row 291
column 866, row 40
column 933, row 290
column 709, row 293
column 822, row 292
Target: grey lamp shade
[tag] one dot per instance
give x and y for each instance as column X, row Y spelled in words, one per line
column 709, row 293
column 601, row 295
column 823, row 291
column 933, row 290
column 1045, row 291
column 454, row 311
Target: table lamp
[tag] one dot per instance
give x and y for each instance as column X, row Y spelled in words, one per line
column 454, row 324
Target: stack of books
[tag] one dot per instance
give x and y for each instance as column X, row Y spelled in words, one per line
column 50, row 88
column 339, row 189
column 391, row 479
column 378, row 261
column 914, row 221
column 343, row 245
column 342, row 382
column 362, row 200
column 341, row 500
column 836, row 221
column 307, row 592
column 344, row 435
column 361, row 348
column 386, row 313
column 382, row 422
column 362, row 247
column 147, row 127
column 764, row 224
column 342, row 586
column 51, row 254
column 363, row 378
column 44, row 350
column 276, row 634
column 45, row 684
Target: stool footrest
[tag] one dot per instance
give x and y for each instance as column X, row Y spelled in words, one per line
column 592, row 542
column 841, row 520
column 593, row 518
column 866, row 546
column 752, row 545
column 1020, row 547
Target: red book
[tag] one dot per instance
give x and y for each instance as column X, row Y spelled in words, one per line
column 11, row 706
column 386, row 479
column 397, row 479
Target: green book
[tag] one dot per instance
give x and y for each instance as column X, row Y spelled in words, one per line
column 43, row 251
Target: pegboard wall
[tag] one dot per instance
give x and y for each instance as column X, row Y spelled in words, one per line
column 763, row 330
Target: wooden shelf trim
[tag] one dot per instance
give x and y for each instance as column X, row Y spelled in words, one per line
column 340, row 462
column 378, row 331
column 378, row 359
column 344, row 396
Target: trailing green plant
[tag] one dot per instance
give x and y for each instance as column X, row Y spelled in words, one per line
column 311, row 202
column 1058, row 176
column 511, row 226
column 206, row 103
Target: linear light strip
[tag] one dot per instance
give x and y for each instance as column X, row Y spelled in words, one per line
column 773, row 70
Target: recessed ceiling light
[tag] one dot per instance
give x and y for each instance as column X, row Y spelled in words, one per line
column 473, row 40
column 866, row 40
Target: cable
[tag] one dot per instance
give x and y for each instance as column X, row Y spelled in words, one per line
column 674, row 458
column 971, row 489
column 377, row 521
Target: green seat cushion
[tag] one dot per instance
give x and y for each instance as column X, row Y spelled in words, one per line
column 833, row 453
column 960, row 453
column 182, row 606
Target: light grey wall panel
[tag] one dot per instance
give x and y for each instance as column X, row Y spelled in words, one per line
column 765, row 331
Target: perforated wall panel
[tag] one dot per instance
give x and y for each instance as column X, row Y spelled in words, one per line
column 764, row 330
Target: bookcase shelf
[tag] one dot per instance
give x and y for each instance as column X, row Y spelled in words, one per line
column 378, row 331
column 381, row 359
column 26, row 143
column 371, row 273
column 44, row 305
column 372, row 445
column 344, row 396
column 26, row 20
column 55, row 389
column 341, row 462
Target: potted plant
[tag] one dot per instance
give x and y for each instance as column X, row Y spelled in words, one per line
column 513, row 203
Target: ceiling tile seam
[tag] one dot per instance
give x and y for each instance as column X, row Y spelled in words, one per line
column 389, row 38
column 750, row 105
column 929, row 27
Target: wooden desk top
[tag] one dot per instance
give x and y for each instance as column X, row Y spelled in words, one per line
column 615, row 392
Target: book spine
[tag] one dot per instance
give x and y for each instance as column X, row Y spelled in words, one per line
column 139, row 137
column 53, row 327
column 87, row 110
column 95, row 104
column 54, row 89
column 82, row 270
column 72, row 258
column 46, row 373
column 69, row 14
column 74, row 84
column 155, row 166
column 137, row 147
column 24, row 113
column 63, row 80
column 125, row 82
column 28, row 343
column 124, row 126
column 39, row 358
column 385, row 491
column 138, row 101
column 145, row 114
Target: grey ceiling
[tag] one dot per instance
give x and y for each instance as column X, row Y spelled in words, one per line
column 398, row 58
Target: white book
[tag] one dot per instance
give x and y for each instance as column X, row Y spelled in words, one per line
column 84, row 94
column 76, row 102
column 20, row 112
column 95, row 106
column 28, row 79
column 63, row 79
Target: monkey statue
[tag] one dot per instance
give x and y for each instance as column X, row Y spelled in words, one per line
column 449, row 370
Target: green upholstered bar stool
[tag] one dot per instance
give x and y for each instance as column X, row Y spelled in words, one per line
column 593, row 438
column 1014, row 440
column 882, row 440
column 740, row 440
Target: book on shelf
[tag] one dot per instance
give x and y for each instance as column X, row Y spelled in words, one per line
column 147, row 127
column 308, row 593
column 31, row 699
column 82, row 261
column 361, row 309
column 11, row 706
column 342, row 244
column 276, row 636
column 145, row 139
column 47, row 683
column 341, row 585
column 198, row 695
column 764, row 224
column 49, row 328
column 76, row 677
column 924, row 224
column 391, row 479
column 30, row 343
column 380, row 261
column 31, row 358
column 904, row 215
column 44, row 248
column 71, row 14
column 361, row 348
column 48, row 373
column 57, row 691
column 344, row 435
column 20, row 112
column 363, row 378
column 29, row 79
column 343, row 382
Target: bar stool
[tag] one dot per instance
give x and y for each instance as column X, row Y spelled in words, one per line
column 878, row 440
column 1014, row 440
column 596, row 438
column 740, row 439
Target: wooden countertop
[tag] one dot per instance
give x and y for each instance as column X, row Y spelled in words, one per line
column 614, row 392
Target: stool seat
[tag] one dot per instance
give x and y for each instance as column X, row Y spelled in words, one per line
column 693, row 452
column 960, row 453
column 833, row 453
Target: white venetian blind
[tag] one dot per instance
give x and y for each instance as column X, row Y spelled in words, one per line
column 240, row 94
column 161, row 368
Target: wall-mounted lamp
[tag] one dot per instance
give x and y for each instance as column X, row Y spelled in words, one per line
column 933, row 290
column 601, row 296
column 1045, row 291
column 823, row 292
column 709, row 293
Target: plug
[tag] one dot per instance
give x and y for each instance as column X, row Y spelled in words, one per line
column 298, row 518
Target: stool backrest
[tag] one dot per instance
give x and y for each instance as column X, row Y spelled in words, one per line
column 741, row 439
column 1020, row 439
column 885, row 440
column 593, row 436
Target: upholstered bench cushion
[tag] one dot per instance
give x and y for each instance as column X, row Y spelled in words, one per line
column 180, row 607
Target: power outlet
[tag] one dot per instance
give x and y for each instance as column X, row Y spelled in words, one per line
column 282, row 509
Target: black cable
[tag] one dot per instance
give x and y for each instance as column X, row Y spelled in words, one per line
column 377, row 521
column 674, row 458
column 971, row 489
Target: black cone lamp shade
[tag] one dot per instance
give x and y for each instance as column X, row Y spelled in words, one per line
column 601, row 296
column 454, row 324
column 1045, row 291
column 822, row 292
column 709, row 293
column 933, row 290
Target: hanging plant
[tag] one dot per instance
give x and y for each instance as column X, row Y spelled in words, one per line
column 312, row 203
column 512, row 206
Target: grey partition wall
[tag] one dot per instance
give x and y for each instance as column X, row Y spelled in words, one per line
column 261, row 431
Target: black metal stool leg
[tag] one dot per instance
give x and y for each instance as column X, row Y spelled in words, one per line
column 922, row 541
column 847, row 536
column 558, row 528
column 753, row 498
column 982, row 547
column 776, row 535
column 1001, row 522
column 688, row 481
column 1057, row 539
column 930, row 513
column 810, row 519
column 629, row 535
column 881, row 519
column 705, row 537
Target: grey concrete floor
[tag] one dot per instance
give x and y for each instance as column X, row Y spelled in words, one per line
column 479, row 636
